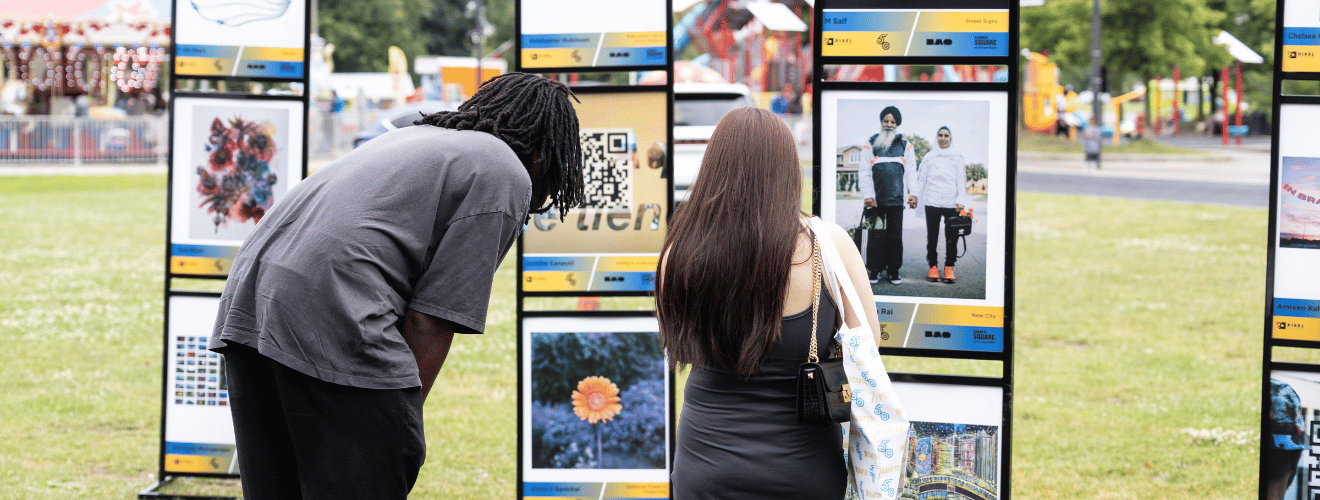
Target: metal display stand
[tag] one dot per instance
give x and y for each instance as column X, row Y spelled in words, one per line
column 1289, row 427
column 580, row 265
column 199, row 388
column 903, row 32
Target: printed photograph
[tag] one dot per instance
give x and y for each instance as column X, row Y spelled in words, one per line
column 597, row 401
column 960, row 461
column 912, row 183
column 238, row 155
column 232, row 161
column 1299, row 203
column 1292, row 434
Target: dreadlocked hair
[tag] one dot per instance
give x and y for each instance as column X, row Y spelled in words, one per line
column 532, row 115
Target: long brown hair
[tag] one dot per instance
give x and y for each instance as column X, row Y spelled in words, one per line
column 724, row 276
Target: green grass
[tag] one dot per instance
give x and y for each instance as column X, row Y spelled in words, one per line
column 1134, row 320
column 1041, row 143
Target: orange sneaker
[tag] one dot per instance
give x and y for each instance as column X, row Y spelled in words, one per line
column 948, row 274
column 934, row 274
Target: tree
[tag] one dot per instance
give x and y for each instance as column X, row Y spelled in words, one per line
column 1138, row 37
column 1252, row 22
column 364, row 31
column 449, row 29
column 920, row 146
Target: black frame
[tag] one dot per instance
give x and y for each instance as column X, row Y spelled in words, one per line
column 307, row 55
column 667, row 66
column 1010, row 209
column 668, row 89
column 671, row 423
column 1012, row 61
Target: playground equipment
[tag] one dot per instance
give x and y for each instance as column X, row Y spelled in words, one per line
column 1041, row 94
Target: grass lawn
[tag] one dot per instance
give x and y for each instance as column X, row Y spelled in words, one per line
column 1136, row 321
column 1041, row 143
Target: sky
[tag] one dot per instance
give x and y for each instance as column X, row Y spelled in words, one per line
column 1295, row 215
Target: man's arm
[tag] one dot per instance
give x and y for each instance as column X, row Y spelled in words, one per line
column 910, row 174
column 865, row 179
column 429, row 339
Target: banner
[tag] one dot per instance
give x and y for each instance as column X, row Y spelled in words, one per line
column 1301, row 36
column 250, row 39
column 915, row 33
column 564, row 34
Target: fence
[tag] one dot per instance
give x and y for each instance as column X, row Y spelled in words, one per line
column 27, row 140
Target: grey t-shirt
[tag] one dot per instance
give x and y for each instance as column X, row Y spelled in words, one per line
column 417, row 218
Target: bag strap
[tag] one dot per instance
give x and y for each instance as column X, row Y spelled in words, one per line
column 816, row 266
column 963, row 239
column 837, row 271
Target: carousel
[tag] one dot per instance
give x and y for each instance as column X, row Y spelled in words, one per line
column 83, row 88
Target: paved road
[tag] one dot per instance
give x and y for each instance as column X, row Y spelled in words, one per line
column 1215, row 193
column 1223, row 175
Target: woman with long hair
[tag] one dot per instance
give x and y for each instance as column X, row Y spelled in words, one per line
column 734, row 303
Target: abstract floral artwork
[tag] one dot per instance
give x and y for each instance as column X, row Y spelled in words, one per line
column 236, row 182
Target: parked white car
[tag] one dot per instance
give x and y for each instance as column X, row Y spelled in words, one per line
column 698, row 107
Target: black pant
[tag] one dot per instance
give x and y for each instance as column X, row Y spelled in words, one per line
column 891, row 239
column 300, row 437
column 934, row 215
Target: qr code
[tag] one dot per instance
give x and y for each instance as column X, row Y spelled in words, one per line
column 607, row 164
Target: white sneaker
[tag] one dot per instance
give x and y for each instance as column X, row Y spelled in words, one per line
column 896, row 280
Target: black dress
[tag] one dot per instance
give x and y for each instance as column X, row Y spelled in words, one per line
column 738, row 437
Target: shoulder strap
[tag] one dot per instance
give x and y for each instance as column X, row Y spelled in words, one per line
column 835, row 269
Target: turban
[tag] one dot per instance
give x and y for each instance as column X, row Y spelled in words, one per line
column 890, row 110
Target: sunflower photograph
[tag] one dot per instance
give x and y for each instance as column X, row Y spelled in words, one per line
column 598, row 401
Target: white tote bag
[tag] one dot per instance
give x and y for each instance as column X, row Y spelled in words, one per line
column 877, row 434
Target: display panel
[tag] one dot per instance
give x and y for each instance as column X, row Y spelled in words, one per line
column 1296, row 298
column 955, row 442
column 593, row 33
column 1292, row 436
column 594, row 408
column 612, row 243
column 969, row 170
column 926, row 32
column 240, row 38
column 1301, row 36
column 199, row 432
column 232, row 160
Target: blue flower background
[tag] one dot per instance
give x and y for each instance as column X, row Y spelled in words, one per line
column 635, row 438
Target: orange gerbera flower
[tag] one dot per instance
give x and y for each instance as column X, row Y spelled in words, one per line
column 596, row 399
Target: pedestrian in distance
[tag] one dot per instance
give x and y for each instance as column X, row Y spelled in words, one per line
column 942, row 186
column 734, row 301
column 885, row 187
column 1091, row 144
column 342, row 305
